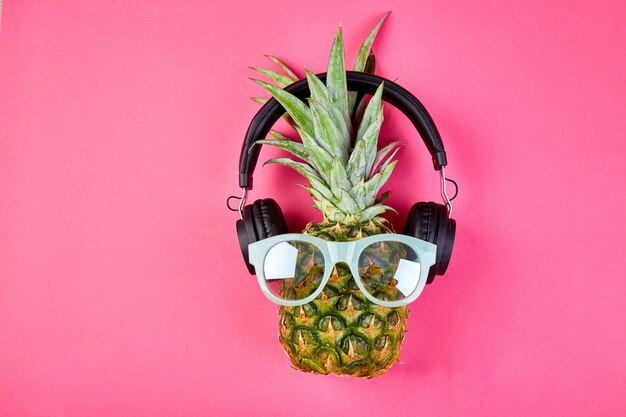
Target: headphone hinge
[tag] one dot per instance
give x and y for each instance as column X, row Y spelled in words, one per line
column 444, row 194
column 440, row 160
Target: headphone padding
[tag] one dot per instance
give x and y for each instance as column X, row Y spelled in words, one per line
column 268, row 218
column 242, row 236
column 248, row 218
column 421, row 221
column 446, row 244
column 246, row 235
column 429, row 222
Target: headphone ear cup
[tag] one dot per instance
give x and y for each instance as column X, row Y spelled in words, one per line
column 268, row 219
column 246, row 235
column 421, row 220
column 430, row 222
column 446, row 243
column 261, row 219
column 445, row 230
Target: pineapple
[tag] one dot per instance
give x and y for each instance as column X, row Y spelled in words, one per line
column 340, row 332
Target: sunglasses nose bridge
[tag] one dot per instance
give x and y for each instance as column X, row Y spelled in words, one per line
column 340, row 252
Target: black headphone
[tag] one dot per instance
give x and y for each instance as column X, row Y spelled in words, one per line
column 427, row 221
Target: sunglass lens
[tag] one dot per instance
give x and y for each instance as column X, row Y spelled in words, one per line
column 293, row 270
column 389, row 270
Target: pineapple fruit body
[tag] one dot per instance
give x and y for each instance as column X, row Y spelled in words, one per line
column 341, row 331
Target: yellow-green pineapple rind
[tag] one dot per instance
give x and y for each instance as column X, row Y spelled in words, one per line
column 342, row 332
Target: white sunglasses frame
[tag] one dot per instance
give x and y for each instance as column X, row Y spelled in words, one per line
column 348, row 252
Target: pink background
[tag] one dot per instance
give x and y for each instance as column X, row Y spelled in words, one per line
column 122, row 289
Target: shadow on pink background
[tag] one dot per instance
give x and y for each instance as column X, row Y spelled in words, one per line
column 122, row 288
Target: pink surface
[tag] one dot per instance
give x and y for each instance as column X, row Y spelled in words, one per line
column 122, row 289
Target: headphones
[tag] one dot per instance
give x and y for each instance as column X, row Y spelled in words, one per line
column 427, row 221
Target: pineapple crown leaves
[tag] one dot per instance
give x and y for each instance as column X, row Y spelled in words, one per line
column 339, row 133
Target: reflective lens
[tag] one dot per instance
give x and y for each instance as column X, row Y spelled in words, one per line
column 293, row 270
column 389, row 270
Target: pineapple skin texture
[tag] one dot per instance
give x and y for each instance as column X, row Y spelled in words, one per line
column 341, row 332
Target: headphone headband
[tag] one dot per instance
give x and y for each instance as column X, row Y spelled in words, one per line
column 360, row 82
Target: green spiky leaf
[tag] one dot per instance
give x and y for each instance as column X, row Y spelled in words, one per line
column 362, row 58
column 357, row 163
column 338, row 177
column 357, row 101
column 371, row 111
column 377, row 181
column 386, row 163
column 279, row 136
column 320, row 94
column 382, row 154
column 383, row 197
column 283, row 66
column 346, row 203
column 326, row 133
column 320, row 159
column 298, row 111
column 375, row 210
column 359, row 193
column 295, row 148
column 280, row 79
column 336, row 77
column 370, row 64
column 370, row 137
column 307, row 172
column 364, row 50
column 329, row 210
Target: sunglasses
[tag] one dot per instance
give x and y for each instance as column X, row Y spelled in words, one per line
column 390, row 269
